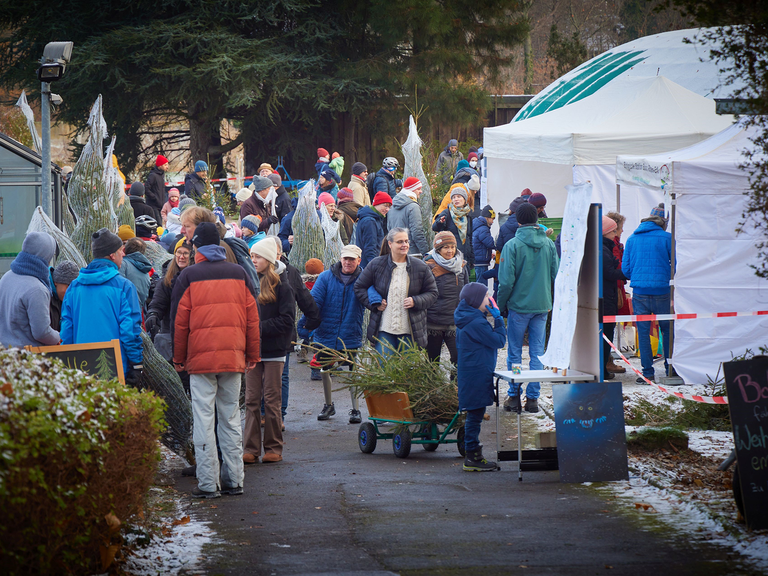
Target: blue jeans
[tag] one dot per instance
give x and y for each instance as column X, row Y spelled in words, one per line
column 284, row 406
column 651, row 304
column 472, row 428
column 537, row 334
column 393, row 340
column 479, row 270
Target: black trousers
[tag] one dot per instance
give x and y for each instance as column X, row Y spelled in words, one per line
column 608, row 329
column 435, row 339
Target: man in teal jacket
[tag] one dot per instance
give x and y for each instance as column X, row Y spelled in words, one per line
column 527, row 269
column 100, row 305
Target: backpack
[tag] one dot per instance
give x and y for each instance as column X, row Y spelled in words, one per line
column 369, row 180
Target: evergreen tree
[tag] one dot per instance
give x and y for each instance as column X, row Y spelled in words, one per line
column 103, row 368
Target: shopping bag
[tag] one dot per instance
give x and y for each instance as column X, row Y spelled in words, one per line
column 627, row 339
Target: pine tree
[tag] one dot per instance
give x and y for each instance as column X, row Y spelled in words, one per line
column 103, row 369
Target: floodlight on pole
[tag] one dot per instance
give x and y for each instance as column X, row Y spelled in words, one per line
column 53, row 64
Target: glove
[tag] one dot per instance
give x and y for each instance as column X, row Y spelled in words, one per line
column 133, row 376
column 274, row 219
column 495, row 312
column 152, row 324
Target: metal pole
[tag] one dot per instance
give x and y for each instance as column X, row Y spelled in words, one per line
column 618, row 198
column 45, row 103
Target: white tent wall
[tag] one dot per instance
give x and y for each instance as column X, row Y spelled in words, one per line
column 510, row 177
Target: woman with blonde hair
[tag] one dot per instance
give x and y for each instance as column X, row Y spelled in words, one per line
column 277, row 310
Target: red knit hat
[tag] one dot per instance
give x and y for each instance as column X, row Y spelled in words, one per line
column 526, row 192
column 325, row 198
column 335, row 155
column 382, row 198
column 314, row 266
column 160, row 160
column 471, row 155
column 322, row 152
column 344, row 195
column 410, row 181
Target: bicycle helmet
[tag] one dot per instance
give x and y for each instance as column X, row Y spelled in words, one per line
column 390, row 162
column 147, row 222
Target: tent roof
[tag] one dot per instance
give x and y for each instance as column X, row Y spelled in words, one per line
column 708, row 167
column 629, row 116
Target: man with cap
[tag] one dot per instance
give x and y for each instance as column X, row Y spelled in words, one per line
column 372, row 227
column 406, row 213
column 25, row 295
column 261, row 203
column 357, row 183
column 216, row 339
column 447, row 162
column 483, row 242
column 195, row 182
column 283, row 200
column 101, row 305
column 328, row 181
column 340, row 332
column 647, row 263
column 385, row 180
column 63, row 275
column 138, row 202
column 155, row 187
column 527, row 270
column 265, row 169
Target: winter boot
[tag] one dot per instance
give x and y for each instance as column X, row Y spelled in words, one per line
column 512, row 404
column 614, row 368
column 531, row 405
column 476, row 462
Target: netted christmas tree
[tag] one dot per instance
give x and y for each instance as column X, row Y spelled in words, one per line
column 413, row 167
column 66, row 249
column 308, row 238
column 116, row 188
column 333, row 243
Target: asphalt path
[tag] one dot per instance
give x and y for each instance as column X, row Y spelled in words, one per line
column 330, row 509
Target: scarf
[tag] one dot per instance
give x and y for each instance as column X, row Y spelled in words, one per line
column 26, row 264
column 459, row 216
column 454, row 265
column 410, row 193
column 271, row 197
column 173, row 203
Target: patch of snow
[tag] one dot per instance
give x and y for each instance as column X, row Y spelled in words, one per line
column 711, row 443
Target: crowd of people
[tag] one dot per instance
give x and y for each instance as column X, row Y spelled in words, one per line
column 224, row 308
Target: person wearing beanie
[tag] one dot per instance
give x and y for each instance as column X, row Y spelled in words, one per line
column 155, row 187
column 219, row 213
column 406, row 213
column 283, row 200
column 215, row 333
column 136, row 268
column 612, row 276
column 527, row 270
column 101, row 305
column 62, row 276
column 483, row 242
column 277, row 310
column 328, row 181
column 647, row 264
column 265, row 169
column 347, row 210
column 448, row 161
column 314, row 267
column 337, row 164
column 474, row 162
column 185, row 203
column 126, row 233
column 478, row 345
column 251, row 232
column 508, row 230
column 243, row 195
column 138, row 201
column 451, row 275
column 456, row 219
column 385, row 180
column 196, row 182
column 471, row 185
column 261, row 203
column 358, row 184
column 25, row 295
column 372, row 227
column 339, row 333
column 323, row 158
column 540, row 201
column 174, row 197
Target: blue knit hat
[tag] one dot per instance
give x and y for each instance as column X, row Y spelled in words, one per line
column 219, row 213
column 474, row 293
column 330, row 174
column 462, row 164
column 659, row 211
column 251, row 222
column 201, row 166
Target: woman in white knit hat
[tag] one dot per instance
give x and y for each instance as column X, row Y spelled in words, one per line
column 277, row 310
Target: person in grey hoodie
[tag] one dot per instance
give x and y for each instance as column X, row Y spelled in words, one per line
column 25, row 295
column 405, row 213
column 136, row 268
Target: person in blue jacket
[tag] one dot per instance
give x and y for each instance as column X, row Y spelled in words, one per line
column 371, row 227
column 341, row 323
column 286, row 228
column 647, row 263
column 482, row 242
column 100, row 305
column 477, row 343
column 385, row 180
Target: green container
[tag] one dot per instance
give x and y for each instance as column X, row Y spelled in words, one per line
column 555, row 223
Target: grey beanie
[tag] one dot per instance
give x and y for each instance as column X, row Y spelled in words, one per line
column 358, row 168
column 104, row 243
column 65, row 272
column 40, row 244
column 453, row 142
column 137, row 189
column 186, row 202
column 460, row 191
column 261, row 183
column 277, row 181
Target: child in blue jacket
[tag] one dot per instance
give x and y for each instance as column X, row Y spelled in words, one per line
column 477, row 344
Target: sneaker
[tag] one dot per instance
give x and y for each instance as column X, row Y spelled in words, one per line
column 476, row 462
column 327, row 411
column 233, row 491
column 614, row 368
column 315, row 374
column 197, row 493
column 531, row 405
column 642, row 380
column 190, row 470
column 512, row 404
column 355, row 417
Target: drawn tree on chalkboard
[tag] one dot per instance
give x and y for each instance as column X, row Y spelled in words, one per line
column 103, row 369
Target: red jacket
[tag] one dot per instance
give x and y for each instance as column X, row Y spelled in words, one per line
column 217, row 319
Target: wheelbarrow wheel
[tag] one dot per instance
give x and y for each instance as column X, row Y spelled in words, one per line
column 366, row 437
column 460, row 442
column 401, row 443
column 429, row 447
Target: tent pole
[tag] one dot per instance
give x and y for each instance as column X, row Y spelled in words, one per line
column 618, row 197
column 672, row 216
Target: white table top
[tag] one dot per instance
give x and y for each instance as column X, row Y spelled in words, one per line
column 545, row 376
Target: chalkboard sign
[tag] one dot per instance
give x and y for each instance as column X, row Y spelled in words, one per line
column 100, row 359
column 747, row 385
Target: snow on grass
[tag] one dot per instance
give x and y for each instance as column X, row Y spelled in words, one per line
column 711, row 443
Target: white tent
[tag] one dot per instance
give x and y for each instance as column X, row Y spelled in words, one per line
column 713, row 262
column 580, row 142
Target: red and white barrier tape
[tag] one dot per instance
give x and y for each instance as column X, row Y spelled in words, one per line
column 127, row 186
column 702, row 399
column 649, row 317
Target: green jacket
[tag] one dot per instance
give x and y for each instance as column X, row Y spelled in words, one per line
column 527, row 270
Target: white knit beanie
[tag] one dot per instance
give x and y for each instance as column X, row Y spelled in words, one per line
column 265, row 248
column 243, row 195
column 474, row 183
